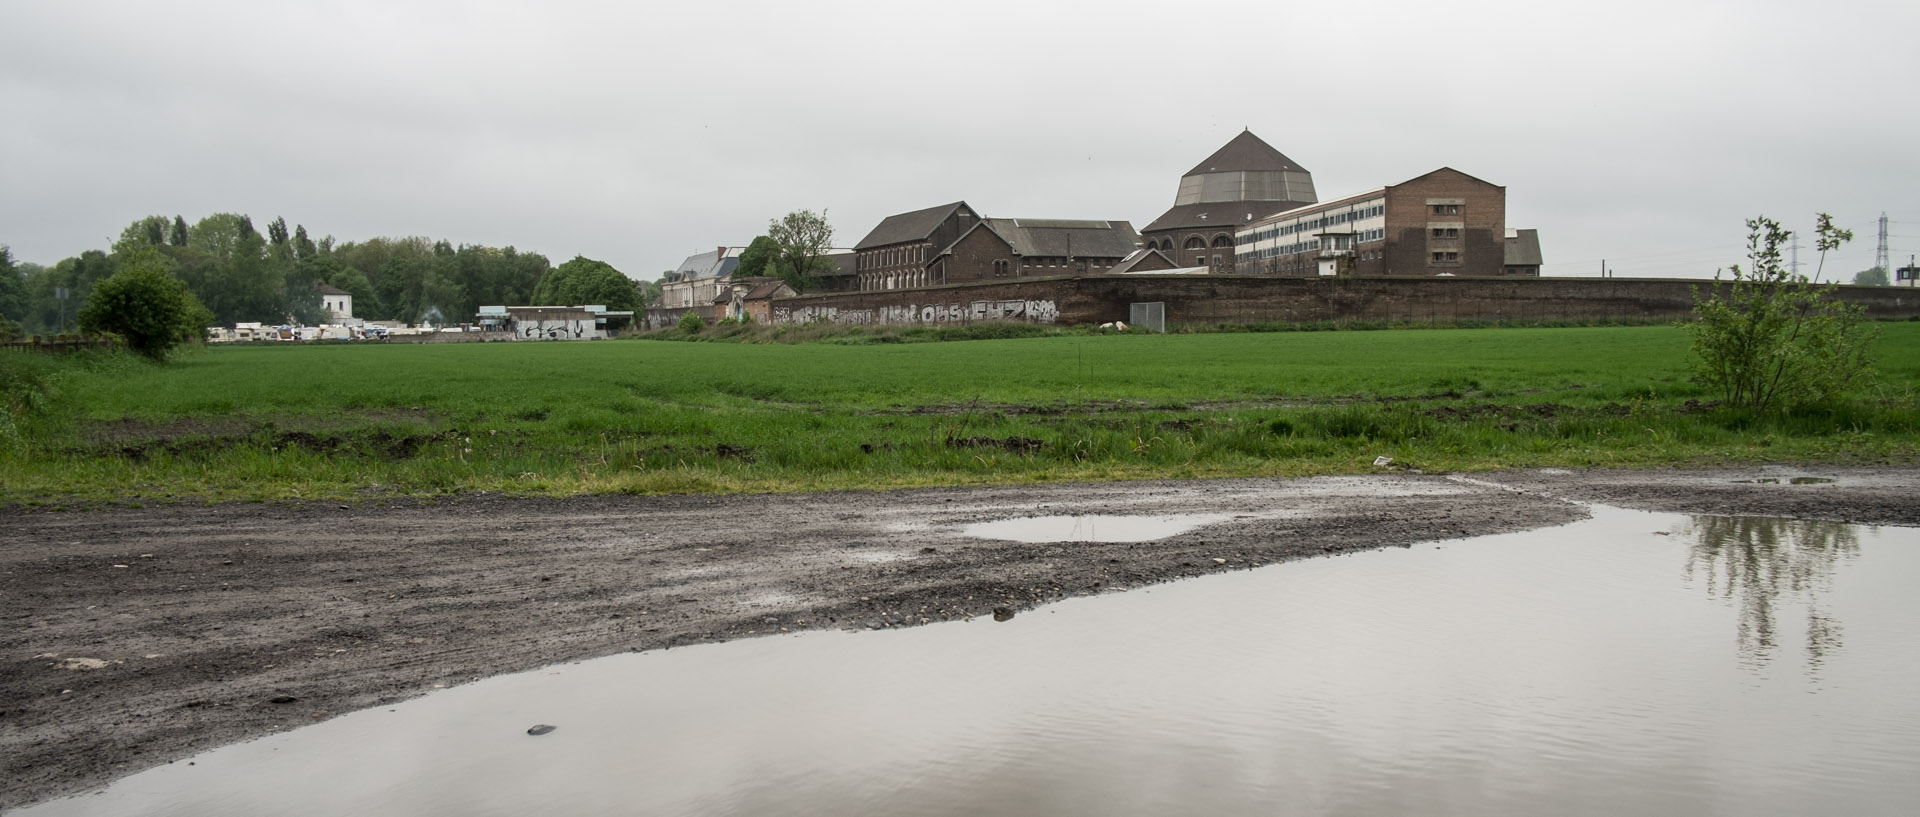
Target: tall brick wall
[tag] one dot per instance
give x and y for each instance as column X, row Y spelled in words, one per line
column 1260, row 299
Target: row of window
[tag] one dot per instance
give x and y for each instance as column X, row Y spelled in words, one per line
column 1448, row 257
column 1444, row 209
column 892, row 256
column 1284, row 249
column 1445, row 232
column 1311, row 244
column 1323, row 221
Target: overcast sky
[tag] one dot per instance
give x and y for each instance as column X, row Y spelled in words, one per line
column 640, row 133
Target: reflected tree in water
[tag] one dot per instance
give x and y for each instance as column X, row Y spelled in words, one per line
column 1761, row 565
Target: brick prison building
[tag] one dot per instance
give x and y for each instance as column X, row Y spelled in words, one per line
column 952, row 244
column 1442, row 223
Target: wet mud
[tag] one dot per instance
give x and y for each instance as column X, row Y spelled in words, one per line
column 136, row 636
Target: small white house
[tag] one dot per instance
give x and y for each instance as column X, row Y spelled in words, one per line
column 337, row 302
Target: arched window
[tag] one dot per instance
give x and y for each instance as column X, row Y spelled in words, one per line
column 1196, row 243
column 1223, row 240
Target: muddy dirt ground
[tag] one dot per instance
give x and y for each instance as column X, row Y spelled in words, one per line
column 131, row 637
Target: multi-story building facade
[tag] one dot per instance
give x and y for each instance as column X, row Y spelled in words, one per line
column 895, row 254
column 699, row 279
column 1242, row 181
column 1442, row 223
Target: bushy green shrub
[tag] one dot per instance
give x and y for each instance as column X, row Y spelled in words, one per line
column 691, row 323
column 26, row 389
column 1770, row 340
column 146, row 305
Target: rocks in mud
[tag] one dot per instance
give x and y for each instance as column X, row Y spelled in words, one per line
column 541, row 728
column 1002, row 613
column 282, row 699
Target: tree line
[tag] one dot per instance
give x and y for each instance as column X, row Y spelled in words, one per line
column 241, row 275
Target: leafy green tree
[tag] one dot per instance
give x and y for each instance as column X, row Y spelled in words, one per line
column 303, row 247
column 802, row 238
column 147, row 306
column 1770, row 340
column 585, row 281
column 1827, row 237
column 1876, row 277
column 46, row 311
column 147, row 232
column 399, row 283
column 217, row 234
column 36, row 287
column 178, row 236
column 355, row 283
column 754, row 259
column 13, row 287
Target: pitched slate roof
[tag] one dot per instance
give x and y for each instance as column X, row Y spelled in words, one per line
column 1137, row 257
column 1523, row 248
column 1066, row 237
column 757, row 288
column 845, row 262
column 718, row 263
column 1245, row 152
column 1218, row 214
column 329, row 289
column 914, row 226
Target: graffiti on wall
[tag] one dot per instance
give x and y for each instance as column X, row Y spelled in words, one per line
column 1009, row 310
column 556, row 330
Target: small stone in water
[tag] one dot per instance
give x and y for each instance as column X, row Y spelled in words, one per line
column 541, row 729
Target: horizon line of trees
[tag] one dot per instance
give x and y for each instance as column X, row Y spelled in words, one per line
column 241, row 275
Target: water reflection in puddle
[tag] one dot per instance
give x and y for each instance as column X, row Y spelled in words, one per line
column 1089, row 528
column 1632, row 664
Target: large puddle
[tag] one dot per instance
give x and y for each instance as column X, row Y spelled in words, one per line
column 1633, row 664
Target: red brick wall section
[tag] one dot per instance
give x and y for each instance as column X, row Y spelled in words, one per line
column 972, row 258
column 1410, row 219
column 1197, row 257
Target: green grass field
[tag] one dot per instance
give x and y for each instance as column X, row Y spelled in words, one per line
column 269, row 421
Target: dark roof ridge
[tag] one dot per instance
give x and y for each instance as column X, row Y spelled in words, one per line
column 910, row 225
column 1245, row 152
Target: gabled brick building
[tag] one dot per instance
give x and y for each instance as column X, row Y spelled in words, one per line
column 1442, row 223
column 999, row 248
column 895, row 254
column 1244, row 180
column 952, row 243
